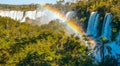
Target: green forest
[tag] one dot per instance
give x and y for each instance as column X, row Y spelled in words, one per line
column 23, row 44
column 28, row 7
column 47, row 45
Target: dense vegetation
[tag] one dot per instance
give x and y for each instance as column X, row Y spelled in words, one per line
column 18, row 7
column 23, row 44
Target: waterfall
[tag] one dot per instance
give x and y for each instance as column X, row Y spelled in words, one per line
column 70, row 15
column 93, row 24
column 16, row 15
column 118, row 37
column 31, row 14
column 106, row 28
column 106, row 32
column 41, row 17
column 19, row 15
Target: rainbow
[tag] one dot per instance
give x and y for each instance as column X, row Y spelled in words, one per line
column 72, row 24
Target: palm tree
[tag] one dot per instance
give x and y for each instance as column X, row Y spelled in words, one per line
column 100, row 47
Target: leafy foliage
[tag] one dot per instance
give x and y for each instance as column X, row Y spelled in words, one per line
column 23, row 44
column 18, row 7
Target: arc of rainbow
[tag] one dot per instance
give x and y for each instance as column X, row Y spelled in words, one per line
column 77, row 28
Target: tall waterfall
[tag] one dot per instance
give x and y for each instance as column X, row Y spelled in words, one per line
column 93, row 24
column 106, row 28
column 106, row 32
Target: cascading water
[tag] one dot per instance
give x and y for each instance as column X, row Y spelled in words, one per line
column 92, row 28
column 115, row 46
column 106, row 28
column 118, row 38
column 70, row 15
column 93, row 24
column 106, row 32
column 41, row 17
